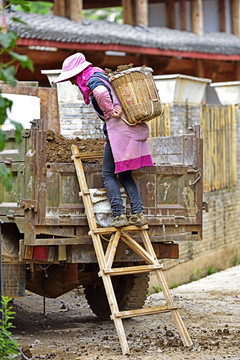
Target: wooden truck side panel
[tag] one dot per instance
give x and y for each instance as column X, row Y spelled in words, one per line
column 47, row 209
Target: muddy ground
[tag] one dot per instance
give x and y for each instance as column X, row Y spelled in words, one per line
column 209, row 307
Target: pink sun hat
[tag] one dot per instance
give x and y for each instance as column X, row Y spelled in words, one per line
column 72, row 66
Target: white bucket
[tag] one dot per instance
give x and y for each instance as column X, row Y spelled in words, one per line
column 101, row 205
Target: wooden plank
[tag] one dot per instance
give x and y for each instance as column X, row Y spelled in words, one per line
column 62, row 252
column 40, row 189
column 183, row 15
column 170, row 14
column 235, row 17
column 19, row 89
column 200, row 68
column 28, row 252
column 166, row 250
column 141, row 12
column 89, row 155
column 197, row 16
column 53, row 116
column 49, row 108
column 56, row 241
column 109, row 230
column 237, row 70
column 59, row 8
column 129, row 16
column 138, row 249
column 221, row 15
column 131, row 270
column 146, row 311
column 111, row 249
column 76, row 7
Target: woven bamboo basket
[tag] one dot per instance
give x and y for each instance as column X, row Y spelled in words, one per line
column 137, row 94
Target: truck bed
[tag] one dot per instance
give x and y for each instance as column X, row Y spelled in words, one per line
column 45, row 205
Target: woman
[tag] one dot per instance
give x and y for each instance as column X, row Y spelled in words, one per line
column 126, row 147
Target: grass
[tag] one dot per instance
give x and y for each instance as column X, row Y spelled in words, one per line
column 157, row 288
column 211, row 270
column 196, row 275
column 236, row 260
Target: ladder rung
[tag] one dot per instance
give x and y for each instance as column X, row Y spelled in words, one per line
column 90, row 155
column 85, row 192
column 110, row 230
column 132, row 269
column 142, row 312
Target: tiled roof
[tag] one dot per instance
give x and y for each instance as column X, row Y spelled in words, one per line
column 55, row 28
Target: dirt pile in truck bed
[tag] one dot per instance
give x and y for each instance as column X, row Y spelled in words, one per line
column 59, row 147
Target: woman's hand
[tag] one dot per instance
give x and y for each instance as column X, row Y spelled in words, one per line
column 117, row 112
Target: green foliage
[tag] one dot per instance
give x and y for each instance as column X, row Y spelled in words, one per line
column 5, row 104
column 236, row 260
column 211, row 270
column 196, row 275
column 39, row 7
column 18, row 131
column 8, row 41
column 6, row 176
column 173, row 286
column 8, row 345
column 24, row 4
column 23, row 59
column 111, row 13
column 157, row 288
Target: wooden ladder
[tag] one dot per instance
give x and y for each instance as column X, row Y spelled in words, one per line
column 105, row 261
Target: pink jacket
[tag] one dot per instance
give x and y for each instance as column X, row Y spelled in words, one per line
column 129, row 143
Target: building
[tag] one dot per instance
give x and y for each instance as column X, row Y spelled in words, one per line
column 191, row 37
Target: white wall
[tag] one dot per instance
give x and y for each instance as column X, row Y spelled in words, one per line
column 210, row 16
column 157, row 15
column 228, row 16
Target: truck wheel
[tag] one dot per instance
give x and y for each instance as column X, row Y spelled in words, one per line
column 130, row 290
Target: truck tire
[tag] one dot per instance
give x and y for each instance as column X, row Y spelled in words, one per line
column 130, row 290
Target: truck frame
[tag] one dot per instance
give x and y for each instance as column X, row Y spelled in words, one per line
column 45, row 243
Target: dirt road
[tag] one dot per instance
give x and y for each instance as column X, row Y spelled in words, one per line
column 210, row 309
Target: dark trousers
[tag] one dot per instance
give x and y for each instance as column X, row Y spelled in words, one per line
column 112, row 187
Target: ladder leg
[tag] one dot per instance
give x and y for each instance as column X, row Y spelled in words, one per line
column 175, row 313
column 107, row 282
column 111, row 249
column 114, row 309
column 167, row 294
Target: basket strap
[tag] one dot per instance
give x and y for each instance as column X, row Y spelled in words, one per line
column 125, row 120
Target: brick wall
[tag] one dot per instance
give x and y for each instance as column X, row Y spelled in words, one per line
column 182, row 116
column 220, row 245
column 79, row 120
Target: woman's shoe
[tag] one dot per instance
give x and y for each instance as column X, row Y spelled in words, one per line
column 137, row 219
column 119, row 221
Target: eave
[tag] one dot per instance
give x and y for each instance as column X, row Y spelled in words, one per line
column 128, row 49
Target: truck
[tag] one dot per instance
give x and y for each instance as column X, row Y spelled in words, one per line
column 45, row 244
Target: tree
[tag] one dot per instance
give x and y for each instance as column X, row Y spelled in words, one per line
column 39, row 7
column 114, row 14
column 8, row 41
